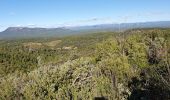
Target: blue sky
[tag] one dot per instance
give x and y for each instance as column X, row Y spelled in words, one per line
column 54, row 13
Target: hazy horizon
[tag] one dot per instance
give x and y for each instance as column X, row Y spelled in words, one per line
column 50, row 14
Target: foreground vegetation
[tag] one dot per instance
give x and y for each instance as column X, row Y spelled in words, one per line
column 133, row 65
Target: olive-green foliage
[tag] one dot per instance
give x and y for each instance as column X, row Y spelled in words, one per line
column 134, row 66
column 136, row 50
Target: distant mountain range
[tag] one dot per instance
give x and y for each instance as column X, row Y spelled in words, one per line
column 20, row 32
column 124, row 26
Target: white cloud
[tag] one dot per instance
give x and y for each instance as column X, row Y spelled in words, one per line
column 18, row 25
column 155, row 13
column 31, row 25
column 144, row 16
column 2, row 28
column 152, row 14
column 90, row 21
column 95, row 19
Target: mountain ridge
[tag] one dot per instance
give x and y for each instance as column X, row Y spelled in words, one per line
column 19, row 32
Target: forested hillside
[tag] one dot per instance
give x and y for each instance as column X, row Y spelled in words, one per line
column 130, row 65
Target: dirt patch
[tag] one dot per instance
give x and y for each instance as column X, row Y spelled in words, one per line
column 33, row 45
column 52, row 43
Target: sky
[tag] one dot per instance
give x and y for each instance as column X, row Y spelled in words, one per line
column 58, row 13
